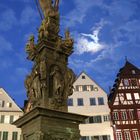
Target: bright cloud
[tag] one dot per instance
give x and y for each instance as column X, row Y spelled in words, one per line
column 90, row 42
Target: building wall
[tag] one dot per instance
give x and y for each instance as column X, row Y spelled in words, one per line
column 9, row 112
column 97, row 128
column 124, row 103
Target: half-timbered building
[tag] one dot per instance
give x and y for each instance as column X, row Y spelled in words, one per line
column 124, row 103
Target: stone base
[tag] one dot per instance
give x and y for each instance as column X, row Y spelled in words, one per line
column 46, row 124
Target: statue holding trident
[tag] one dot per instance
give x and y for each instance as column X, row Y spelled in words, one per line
column 47, row 7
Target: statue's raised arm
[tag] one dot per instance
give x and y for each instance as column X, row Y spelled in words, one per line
column 56, row 5
column 48, row 7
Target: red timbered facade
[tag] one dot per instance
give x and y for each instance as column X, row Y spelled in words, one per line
column 124, row 103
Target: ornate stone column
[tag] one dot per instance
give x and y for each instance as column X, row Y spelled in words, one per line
column 46, row 124
column 50, row 83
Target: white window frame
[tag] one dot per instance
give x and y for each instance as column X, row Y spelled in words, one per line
column 115, row 115
column 127, row 135
column 119, row 136
column 80, row 88
column 128, row 96
column 7, row 119
column 136, row 135
column 124, row 115
column 88, row 88
column 136, row 96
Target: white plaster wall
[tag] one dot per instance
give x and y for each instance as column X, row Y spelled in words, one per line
column 9, row 127
column 94, row 129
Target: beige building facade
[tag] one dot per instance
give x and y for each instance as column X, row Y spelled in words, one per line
column 9, row 112
column 91, row 100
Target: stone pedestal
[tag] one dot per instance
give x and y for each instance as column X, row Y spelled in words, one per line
column 46, row 124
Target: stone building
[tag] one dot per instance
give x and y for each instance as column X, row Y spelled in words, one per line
column 9, row 112
column 124, row 103
column 91, row 100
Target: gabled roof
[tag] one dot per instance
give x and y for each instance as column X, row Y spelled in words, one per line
column 125, row 71
column 5, row 99
column 87, row 81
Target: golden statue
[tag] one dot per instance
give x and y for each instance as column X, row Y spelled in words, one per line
column 48, row 8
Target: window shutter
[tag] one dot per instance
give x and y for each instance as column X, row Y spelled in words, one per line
column 0, row 134
column 2, row 119
column 92, row 88
column 3, row 102
column 14, row 136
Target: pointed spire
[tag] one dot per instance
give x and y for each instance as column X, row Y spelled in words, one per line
column 126, row 60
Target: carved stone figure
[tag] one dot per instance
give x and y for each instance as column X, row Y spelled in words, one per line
column 31, row 48
column 57, row 81
column 69, row 80
column 43, row 70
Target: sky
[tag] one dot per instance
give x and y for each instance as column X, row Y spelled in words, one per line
column 105, row 32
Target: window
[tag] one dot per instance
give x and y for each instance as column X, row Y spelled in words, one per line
column 70, row 102
column 95, row 138
column 115, row 116
column 0, row 135
column 2, row 103
column 92, row 101
column 106, row 137
column 80, row 88
column 84, row 138
column 95, row 119
column 11, row 118
column 88, row 88
column 5, row 135
column 127, row 135
column 84, row 88
column 136, row 95
column 133, row 72
column 131, row 114
column 138, row 113
column 126, row 82
column 76, row 88
column 106, row 118
column 124, row 115
column 128, row 96
column 14, row 135
column 7, row 119
column 9, row 104
column 95, row 89
column 119, row 136
column 80, row 102
column 83, row 77
column 100, row 101
column 136, row 135
column 133, row 82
